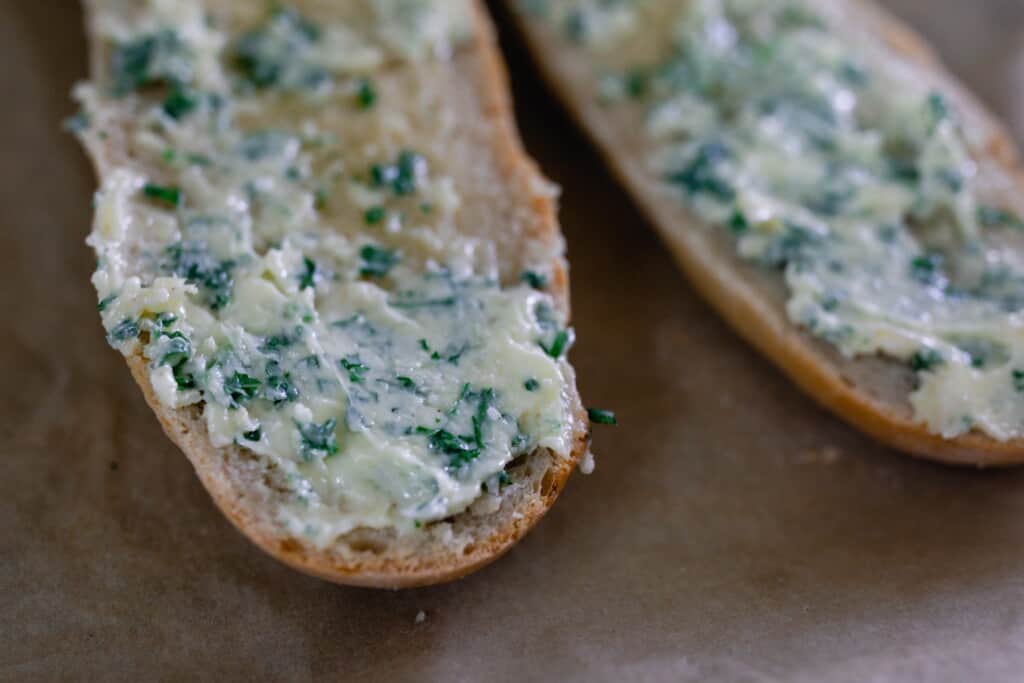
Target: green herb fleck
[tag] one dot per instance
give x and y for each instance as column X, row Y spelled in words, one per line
column 480, row 417
column 278, row 387
column 377, row 261
column 701, row 175
column 602, row 417
column 993, row 217
column 355, row 368
column 558, row 346
column 366, row 94
column 194, row 262
column 179, row 350
column 925, row 359
column 180, row 102
column 374, row 215
column 273, row 54
column 277, row 342
column 402, row 175
column 320, row 198
column 459, row 449
column 319, row 437
column 927, row 269
column 254, row 435
column 155, row 59
column 241, row 387
column 938, row 109
column 738, row 223
column 78, row 123
column 406, row 382
column 167, row 194
column 184, row 380
column 531, row 384
column 105, row 301
column 123, row 331
column 310, row 276
column 1018, row 380
column 534, row 279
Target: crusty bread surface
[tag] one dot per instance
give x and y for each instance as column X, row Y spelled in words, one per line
column 870, row 393
column 509, row 203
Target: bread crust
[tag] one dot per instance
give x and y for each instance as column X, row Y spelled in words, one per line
column 241, row 485
column 834, row 382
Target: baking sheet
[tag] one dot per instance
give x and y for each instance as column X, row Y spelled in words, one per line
column 731, row 531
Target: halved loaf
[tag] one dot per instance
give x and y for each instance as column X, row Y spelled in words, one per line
column 506, row 202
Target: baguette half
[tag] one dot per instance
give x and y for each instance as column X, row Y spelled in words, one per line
column 869, row 392
column 511, row 206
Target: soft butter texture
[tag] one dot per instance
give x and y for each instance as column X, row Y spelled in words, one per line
column 832, row 162
column 299, row 278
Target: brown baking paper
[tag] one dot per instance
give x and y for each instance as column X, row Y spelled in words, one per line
column 731, row 531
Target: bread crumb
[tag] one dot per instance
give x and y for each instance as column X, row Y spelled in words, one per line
column 586, row 465
column 421, row 616
column 829, row 455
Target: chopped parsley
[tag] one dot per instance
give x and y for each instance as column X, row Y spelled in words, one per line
column 254, row 435
column 480, row 417
column 159, row 58
column 241, row 387
column 992, row 217
column 426, row 347
column 276, row 53
column 927, row 269
column 180, row 102
column 531, row 384
column 310, row 275
column 558, row 345
column 168, row 194
column 179, row 350
column 925, row 359
column 459, row 449
column 355, row 368
column 366, row 94
column 183, row 379
column 938, row 108
column 377, row 261
column 319, row 438
column 278, row 387
column 602, row 417
column 401, row 176
column 193, row 261
column 374, row 215
column 123, row 331
column 1018, row 380
column 105, row 301
column 534, row 279
column 702, row 176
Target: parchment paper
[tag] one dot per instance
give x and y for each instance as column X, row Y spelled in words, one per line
column 732, row 530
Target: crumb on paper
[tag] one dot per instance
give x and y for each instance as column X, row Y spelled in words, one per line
column 828, row 455
column 421, row 616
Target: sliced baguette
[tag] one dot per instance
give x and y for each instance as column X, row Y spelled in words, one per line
column 505, row 200
column 870, row 393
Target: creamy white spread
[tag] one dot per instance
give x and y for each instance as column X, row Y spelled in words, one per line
column 288, row 261
column 832, row 161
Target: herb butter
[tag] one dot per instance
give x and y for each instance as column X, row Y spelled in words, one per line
column 831, row 160
column 292, row 264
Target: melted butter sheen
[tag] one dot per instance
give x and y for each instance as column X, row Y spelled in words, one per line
column 321, row 311
column 830, row 161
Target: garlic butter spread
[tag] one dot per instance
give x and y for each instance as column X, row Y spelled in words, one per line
column 286, row 256
column 832, row 161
